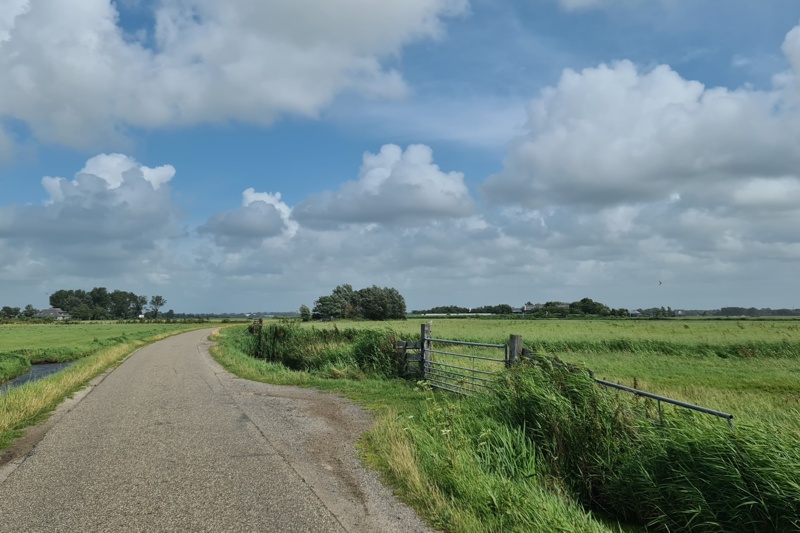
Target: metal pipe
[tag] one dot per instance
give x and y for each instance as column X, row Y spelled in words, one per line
column 693, row 407
column 468, row 356
column 463, row 343
column 462, row 368
column 465, row 377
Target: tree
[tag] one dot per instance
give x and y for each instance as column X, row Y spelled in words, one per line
column 305, row 313
column 29, row 311
column 373, row 303
column 9, row 312
column 156, row 303
column 139, row 304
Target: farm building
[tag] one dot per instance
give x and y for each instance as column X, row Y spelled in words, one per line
column 54, row 313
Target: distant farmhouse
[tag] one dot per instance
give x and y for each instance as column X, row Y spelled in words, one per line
column 53, row 313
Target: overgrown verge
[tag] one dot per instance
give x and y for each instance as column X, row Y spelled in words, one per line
column 548, row 450
column 29, row 403
column 12, row 365
column 548, row 444
column 349, row 352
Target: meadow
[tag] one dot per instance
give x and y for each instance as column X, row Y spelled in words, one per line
column 749, row 368
column 546, row 448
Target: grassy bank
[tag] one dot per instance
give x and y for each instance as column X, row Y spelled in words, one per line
column 29, row 403
column 549, row 450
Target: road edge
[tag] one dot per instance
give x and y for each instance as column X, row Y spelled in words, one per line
column 22, row 448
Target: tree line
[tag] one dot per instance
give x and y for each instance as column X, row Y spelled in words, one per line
column 99, row 304
column 370, row 303
column 501, row 309
column 583, row 307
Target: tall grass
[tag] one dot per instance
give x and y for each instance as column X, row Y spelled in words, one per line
column 12, row 365
column 687, row 472
column 339, row 352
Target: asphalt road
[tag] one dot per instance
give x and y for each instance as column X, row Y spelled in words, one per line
column 169, row 441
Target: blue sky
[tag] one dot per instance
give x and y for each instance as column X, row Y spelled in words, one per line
column 253, row 155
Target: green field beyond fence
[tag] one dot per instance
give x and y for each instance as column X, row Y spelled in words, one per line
column 749, row 368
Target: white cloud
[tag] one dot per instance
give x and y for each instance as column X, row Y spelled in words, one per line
column 107, row 221
column 614, row 135
column 394, row 186
column 72, row 75
column 261, row 216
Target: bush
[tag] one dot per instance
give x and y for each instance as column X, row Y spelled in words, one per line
column 372, row 352
column 375, row 352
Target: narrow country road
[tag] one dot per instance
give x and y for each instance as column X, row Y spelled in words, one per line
column 169, row 441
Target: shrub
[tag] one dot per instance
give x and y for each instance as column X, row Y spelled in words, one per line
column 375, row 353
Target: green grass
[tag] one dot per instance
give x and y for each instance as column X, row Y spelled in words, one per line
column 749, row 368
column 549, row 450
column 58, row 343
column 12, row 365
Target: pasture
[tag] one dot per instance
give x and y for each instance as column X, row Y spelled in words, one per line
column 749, row 368
column 27, row 337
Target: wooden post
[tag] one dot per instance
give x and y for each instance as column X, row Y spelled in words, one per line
column 514, row 349
column 424, row 347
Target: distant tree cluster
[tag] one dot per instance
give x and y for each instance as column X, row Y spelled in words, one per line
column 584, row 307
column 99, row 304
column 752, row 311
column 502, row 309
column 8, row 312
column 370, row 303
column 580, row 308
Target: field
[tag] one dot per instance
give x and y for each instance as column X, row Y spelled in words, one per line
column 546, row 449
column 21, row 337
column 749, row 368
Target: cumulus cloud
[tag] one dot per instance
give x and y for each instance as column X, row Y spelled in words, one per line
column 394, row 186
column 74, row 76
column 613, row 134
column 108, row 219
column 261, row 216
column 650, row 175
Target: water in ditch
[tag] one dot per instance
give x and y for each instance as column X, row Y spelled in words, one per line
column 36, row 372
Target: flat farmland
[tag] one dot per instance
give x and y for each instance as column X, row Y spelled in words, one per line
column 18, row 337
column 749, row 368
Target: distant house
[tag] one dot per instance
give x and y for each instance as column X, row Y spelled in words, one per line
column 53, row 313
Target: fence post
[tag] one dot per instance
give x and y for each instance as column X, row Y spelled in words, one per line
column 514, row 349
column 424, row 347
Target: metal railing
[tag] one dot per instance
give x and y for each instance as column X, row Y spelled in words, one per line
column 465, row 380
column 659, row 399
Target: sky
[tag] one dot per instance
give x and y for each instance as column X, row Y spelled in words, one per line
column 252, row 155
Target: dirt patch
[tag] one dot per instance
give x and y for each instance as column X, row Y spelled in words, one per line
column 317, row 433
